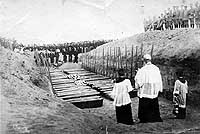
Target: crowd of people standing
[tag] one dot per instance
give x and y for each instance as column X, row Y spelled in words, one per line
column 177, row 17
column 58, row 55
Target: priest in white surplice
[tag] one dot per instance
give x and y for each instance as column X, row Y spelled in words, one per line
column 148, row 81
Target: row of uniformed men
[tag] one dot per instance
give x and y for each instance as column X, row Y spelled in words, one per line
column 58, row 55
column 175, row 18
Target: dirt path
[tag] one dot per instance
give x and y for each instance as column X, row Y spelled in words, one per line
column 107, row 113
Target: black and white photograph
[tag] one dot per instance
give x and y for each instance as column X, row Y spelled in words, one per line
column 99, row 67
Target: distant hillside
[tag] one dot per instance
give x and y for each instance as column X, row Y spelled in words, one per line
column 178, row 44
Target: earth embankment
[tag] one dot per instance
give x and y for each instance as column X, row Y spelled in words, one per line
column 27, row 105
column 173, row 51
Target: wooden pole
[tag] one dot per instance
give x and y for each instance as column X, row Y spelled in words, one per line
column 90, row 60
column 103, row 61
column 117, row 58
column 110, row 59
column 98, row 63
column 95, row 62
column 87, row 60
column 131, row 62
column 136, row 60
column 84, row 59
column 152, row 51
column 141, row 54
column 113, row 58
column 107, row 61
column 126, row 61
column 120, row 57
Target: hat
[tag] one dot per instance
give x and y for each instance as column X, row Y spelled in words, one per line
column 147, row 57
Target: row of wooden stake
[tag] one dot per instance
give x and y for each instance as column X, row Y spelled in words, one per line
column 112, row 59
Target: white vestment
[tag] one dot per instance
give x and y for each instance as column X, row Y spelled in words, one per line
column 120, row 93
column 148, row 81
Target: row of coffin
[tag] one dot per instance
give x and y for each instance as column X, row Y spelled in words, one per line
column 85, row 92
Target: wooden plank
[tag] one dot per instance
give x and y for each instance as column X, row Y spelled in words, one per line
column 82, row 88
column 79, row 95
column 57, row 75
column 59, row 83
column 72, row 81
column 96, row 79
column 105, row 90
column 108, row 92
column 62, row 80
column 84, row 99
column 73, row 70
column 86, row 74
column 81, row 74
column 74, row 93
column 61, row 77
column 77, row 72
column 63, row 86
column 77, row 92
column 94, row 76
column 106, row 87
column 101, row 83
column 55, row 70
column 83, row 77
column 73, row 89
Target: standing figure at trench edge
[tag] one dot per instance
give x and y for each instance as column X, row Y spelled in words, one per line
column 148, row 81
column 179, row 96
column 122, row 100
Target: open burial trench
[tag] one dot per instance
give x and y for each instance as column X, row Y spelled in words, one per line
column 172, row 51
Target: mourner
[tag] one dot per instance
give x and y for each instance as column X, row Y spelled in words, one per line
column 122, row 100
column 148, row 81
column 179, row 96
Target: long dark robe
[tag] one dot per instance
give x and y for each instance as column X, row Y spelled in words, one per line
column 148, row 110
column 124, row 114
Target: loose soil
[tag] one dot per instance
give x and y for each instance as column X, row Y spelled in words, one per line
column 28, row 105
column 107, row 113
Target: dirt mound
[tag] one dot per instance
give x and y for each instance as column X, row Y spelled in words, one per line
column 178, row 44
column 27, row 105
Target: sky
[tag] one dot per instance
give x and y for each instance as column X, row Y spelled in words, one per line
column 57, row 21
